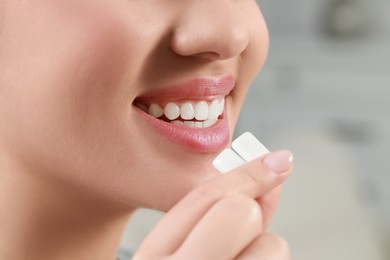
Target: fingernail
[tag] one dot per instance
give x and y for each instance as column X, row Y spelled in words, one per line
column 279, row 162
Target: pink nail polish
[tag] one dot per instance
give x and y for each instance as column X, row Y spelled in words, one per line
column 279, row 162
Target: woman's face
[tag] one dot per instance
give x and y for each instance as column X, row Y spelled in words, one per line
column 79, row 77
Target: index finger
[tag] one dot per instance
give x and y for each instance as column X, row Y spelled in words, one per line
column 253, row 179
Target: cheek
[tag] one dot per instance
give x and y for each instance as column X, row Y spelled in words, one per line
column 257, row 51
column 252, row 59
column 65, row 89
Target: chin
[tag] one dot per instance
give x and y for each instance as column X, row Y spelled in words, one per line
column 166, row 190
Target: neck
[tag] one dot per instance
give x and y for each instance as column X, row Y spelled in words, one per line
column 45, row 220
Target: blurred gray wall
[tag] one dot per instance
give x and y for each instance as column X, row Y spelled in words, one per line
column 305, row 17
column 324, row 93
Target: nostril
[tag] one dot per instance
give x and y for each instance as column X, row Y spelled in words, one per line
column 208, row 56
column 211, row 48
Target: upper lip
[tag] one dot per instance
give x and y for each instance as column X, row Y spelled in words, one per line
column 199, row 88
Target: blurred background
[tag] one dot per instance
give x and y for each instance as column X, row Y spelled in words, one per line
column 324, row 93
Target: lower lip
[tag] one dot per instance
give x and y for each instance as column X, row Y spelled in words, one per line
column 201, row 140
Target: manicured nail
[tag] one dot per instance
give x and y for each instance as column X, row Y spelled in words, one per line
column 279, row 162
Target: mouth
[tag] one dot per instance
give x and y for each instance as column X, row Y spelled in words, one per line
column 192, row 114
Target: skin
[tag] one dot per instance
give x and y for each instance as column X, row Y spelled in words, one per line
column 74, row 160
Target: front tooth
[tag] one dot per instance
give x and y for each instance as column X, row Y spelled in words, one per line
column 187, row 111
column 171, row 111
column 177, row 122
column 221, row 106
column 201, row 110
column 189, row 123
column 214, row 109
column 209, row 122
column 198, row 124
column 155, row 110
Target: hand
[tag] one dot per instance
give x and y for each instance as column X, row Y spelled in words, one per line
column 226, row 217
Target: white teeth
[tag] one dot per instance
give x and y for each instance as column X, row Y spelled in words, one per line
column 177, row 122
column 172, row 111
column 201, row 110
column 221, row 106
column 187, row 111
column 214, row 110
column 189, row 123
column 155, row 110
column 209, row 122
column 198, row 124
column 200, row 114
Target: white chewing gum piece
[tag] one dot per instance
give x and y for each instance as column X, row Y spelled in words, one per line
column 248, row 147
column 227, row 160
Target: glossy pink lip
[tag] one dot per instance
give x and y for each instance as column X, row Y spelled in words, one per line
column 200, row 88
column 201, row 140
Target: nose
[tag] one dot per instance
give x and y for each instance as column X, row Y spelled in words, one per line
column 210, row 29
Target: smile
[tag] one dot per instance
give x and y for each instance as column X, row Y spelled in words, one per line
column 198, row 114
column 192, row 114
